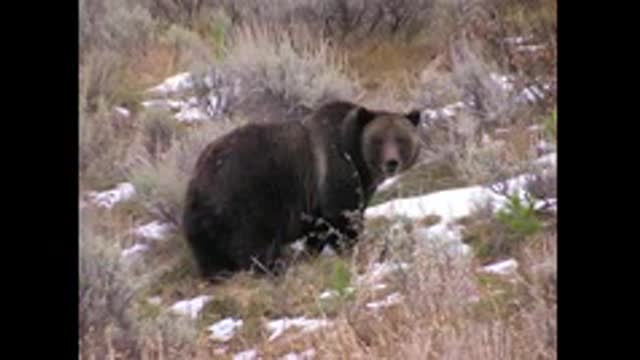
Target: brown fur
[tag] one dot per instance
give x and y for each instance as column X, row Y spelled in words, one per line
column 266, row 185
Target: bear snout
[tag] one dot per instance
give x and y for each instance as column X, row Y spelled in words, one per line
column 391, row 166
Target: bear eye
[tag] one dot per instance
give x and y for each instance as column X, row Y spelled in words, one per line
column 400, row 140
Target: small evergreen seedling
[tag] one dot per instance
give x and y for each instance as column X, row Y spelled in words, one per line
column 520, row 218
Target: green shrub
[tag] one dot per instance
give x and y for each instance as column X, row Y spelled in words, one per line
column 551, row 126
column 520, row 218
column 495, row 236
column 340, row 278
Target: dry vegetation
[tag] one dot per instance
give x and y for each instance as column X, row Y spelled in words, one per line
column 287, row 57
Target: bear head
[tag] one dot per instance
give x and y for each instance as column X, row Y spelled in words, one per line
column 389, row 142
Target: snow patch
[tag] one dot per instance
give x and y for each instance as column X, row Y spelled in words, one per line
column 550, row 205
column 506, row 267
column 328, row 251
column 446, row 204
column 517, row 40
column 504, row 81
column 447, row 111
column 305, row 355
column 531, row 94
column 107, row 199
column 545, row 147
column 444, row 237
column 154, row 300
column 189, row 110
column 191, row 307
column 134, row 250
column 225, row 329
column 164, row 104
column 392, row 299
column 154, row 230
column 190, row 115
column 298, row 246
column 387, row 183
column 329, row 294
column 451, row 109
column 530, row 48
column 278, row 327
column 452, row 204
column 178, row 82
column 250, row 354
column 122, row 111
column 549, row 160
column 214, row 105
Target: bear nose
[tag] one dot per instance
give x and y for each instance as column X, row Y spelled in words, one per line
column 391, row 166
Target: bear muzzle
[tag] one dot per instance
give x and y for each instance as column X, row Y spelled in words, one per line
column 391, row 167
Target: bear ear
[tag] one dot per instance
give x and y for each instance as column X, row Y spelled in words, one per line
column 414, row 116
column 359, row 117
column 354, row 122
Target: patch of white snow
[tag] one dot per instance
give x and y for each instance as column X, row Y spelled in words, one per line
column 278, row 327
column 154, row 230
column 173, row 84
column 387, row 183
column 305, row 355
column 107, row 199
column 122, row 111
column 251, row 354
column 191, row 114
column 134, row 250
column 392, row 299
column 506, row 267
column 225, row 329
column 191, row 307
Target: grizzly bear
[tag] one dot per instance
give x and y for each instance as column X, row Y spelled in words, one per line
column 264, row 186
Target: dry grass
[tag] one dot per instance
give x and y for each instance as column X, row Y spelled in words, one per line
column 117, row 25
column 99, row 79
column 346, row 21
column 105, row 141
column 161, row 179
column 156, row 63
column 381, row 66
column 513, row 318
column 435, row 322
column 106, row 293
column 283, row 72
column 425, row 178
